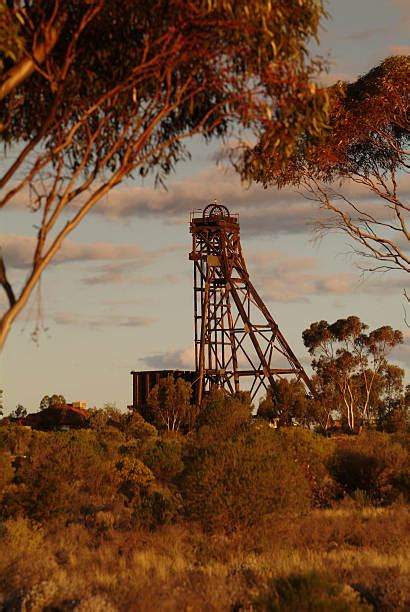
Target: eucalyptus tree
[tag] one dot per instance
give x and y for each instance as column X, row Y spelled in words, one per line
column 350, row 364
column 169, row 404
column 357, row 169
column 94, row 90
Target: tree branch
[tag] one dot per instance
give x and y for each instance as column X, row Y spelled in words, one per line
column 41, row 49
column 5, row 283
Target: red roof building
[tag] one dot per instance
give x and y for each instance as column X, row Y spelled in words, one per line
column 61, row 418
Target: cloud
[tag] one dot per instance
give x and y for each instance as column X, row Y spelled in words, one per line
column 280, row 277
column 328, row 79
column 405, row 17
column 119, row 302
column 182, row 197
column 124, row 272
column 184, row 359
column 399, row 49
column 18, row 252
column 84, row 319
column 267, row 260
column 362, row 193
column 111, row 273
column 300, row 287
column 81, row 320
column 178, row 359
column 401, row 3
column 262, row 211
column 171, row 279
column 367, row 33
column 401, row 353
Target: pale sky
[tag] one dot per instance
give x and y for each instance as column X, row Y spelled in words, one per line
column 119, row 295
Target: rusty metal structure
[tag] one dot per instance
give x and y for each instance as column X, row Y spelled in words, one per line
column 236, row 337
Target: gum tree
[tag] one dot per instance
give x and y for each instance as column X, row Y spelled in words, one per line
column 350, row 363
column 292, row 405
column 169, row 404
column 102, row 89
column 365, row 150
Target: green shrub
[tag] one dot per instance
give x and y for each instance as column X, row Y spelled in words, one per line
column 370, row 463
column 311, row 452
column 396, row 420
column 223, row 417
column 134, row 476
column 15, row 439
column 108, row 440
column 6, row 471
column 135, row 427
column 291, row 404
column 307, row 592
column 165, row 458
column 401, row 483
column 63, row 474
column 23, row 546
column 159, row 506
column 402, row 438
column 234, row 483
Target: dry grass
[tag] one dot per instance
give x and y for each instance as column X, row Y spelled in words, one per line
column 181, row 568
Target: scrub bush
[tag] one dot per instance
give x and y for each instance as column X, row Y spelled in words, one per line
column 372, row 463
column 312, row 591
column 223, row 417
column 236, row 482
column 311, row 452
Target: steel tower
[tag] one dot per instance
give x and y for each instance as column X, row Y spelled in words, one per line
column 235, row 334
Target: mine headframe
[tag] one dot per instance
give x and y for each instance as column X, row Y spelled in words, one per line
column 235, row 335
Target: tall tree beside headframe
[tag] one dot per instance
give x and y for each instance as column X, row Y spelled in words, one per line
column 350, row 364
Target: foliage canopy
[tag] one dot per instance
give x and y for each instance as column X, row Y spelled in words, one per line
column 363, row 151
column 107, row 88
column 350, row 364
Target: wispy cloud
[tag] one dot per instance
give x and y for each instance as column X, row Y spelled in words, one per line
column 179, row 358
column 399, row 50
column 368, row 33
column 405, row 8
column 262, row 211
column 18, row 252
column 72, row 318
column 110, row 273
column 84, row 320
column 401, row 353
column 184, row 196
column 280, row 277
column 125, row 272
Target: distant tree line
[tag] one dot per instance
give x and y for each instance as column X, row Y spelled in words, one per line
column 356, row 387
column 354, row 381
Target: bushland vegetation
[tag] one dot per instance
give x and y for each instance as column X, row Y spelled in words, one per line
column 231, row 514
